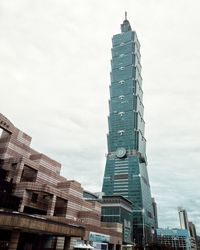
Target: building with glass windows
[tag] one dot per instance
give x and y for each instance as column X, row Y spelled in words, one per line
column 183, row 217
column 188, row 225
column 116, row 208
column 155, row 212
column 126, row 164
column 175, row 238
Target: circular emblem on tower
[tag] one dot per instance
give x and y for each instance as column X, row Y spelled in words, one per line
column 120, row 152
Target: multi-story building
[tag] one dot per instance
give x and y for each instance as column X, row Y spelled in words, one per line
column 40, row 209
column 183, row 217
column 193, row 235
column 116, row 208
column 155, row 212
column 189, row 226
column 175, row 238
column 192, row 229
column 126, row 164
column 198, row 242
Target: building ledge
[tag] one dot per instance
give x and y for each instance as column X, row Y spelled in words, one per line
column 39, row 224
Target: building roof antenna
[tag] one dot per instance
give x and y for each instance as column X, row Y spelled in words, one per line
column 125, row 15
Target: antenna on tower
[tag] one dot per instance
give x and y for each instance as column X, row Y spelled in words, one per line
column 125, row 15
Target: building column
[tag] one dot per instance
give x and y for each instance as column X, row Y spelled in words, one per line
column 111, row 246
column 14, row 240
column 51, row 206
column 60, row 243
column 21, row 206
column 18, row 176
column 118, row 247
column 72, row 242
column 67, row 243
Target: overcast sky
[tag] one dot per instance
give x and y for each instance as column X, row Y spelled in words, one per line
column 54, row 78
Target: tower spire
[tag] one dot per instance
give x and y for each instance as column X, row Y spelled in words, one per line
column 125, row 15
column 125, row 26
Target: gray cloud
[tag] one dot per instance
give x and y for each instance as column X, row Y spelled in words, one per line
column 54, row 75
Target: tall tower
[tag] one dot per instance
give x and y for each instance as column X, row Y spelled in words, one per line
column 155, row 212
column 183, row 217
column 126, row 164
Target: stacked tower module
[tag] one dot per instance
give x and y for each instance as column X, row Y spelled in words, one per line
column 126, row 164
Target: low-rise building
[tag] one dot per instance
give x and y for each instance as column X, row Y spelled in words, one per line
column 175, row 238
column 39, row 208
column 116, row 208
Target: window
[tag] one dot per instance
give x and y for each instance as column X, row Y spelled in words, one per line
column 34, row 197
column 14, row 166
column 29, row 174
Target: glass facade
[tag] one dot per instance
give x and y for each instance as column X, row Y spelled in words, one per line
column 118, row 209
column 176, row 238
column 126, row 165
column 121, row 215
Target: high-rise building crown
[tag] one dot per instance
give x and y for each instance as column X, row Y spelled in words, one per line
column 125, row 26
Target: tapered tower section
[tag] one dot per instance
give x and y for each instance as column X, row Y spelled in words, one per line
column 126, row 164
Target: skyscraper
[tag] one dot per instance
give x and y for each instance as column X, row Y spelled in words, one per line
column 126, row 164
column 155, row 212
column 183, row 218
column 189, row 226
column 193, row 235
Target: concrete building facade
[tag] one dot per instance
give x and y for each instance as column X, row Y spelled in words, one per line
column 39, row 204
column 183, row 217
